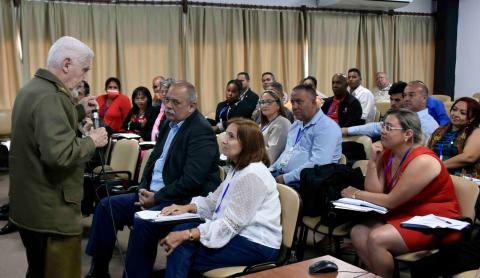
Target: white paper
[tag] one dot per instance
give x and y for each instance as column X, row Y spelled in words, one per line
column 361, row 204
column 147, row 143
column 433, row 221
column 157, row 216
column 126, row 135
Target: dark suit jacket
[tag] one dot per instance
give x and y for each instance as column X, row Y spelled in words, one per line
column 242, row 109
column 191, row 166
column 350, row 111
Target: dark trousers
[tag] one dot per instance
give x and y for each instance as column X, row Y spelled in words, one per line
column 121, row 210
column 52, row 255
column 192, row 258
column 450, row 260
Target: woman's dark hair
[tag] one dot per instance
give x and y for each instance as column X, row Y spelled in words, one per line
column 314, row 80
column 145, row 92
column 237, row 83
column 473, row 114
column 251, row 141
column 86, row 88
column 113, row 79
column 281, row 108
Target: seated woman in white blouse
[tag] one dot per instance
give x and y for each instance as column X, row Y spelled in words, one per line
column 273, row 123
column 243, row 214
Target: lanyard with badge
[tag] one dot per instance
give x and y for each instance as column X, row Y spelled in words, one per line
column 217, row 209
column 285, row 158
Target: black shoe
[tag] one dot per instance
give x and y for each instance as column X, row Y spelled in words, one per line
column 97, row 271
column 4, row 216
column 8, row 228
column 5, row 208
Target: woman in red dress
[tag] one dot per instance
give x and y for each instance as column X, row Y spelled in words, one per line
column 409, row 180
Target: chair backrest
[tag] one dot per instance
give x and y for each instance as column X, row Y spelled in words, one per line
column 443, row 98
column 448, row 105
column 364, row 140
column 382, row 107
column 5, row 123
column 219, row 141
column 362, row 164
column 221, row 173
column 145, row 158
column 343, row 160
column 290, row 203
column 467, row 193
column 377, row 115
column 125, row 156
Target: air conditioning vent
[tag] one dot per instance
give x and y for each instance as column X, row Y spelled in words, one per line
column 384, row 5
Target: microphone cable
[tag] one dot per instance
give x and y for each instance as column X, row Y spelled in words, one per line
column 96, row 124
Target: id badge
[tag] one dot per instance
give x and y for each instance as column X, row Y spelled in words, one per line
column 285, row 159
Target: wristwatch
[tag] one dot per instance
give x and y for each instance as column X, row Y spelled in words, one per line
column 190, row 235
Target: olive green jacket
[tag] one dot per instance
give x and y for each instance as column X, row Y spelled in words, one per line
column 47, row 159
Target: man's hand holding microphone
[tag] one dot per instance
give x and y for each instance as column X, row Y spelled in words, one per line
column 98, row 134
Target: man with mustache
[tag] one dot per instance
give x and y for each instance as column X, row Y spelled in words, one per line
column 183, row 164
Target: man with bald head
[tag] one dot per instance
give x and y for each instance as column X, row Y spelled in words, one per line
column 343, row 108
column 383, row 86
column 157, row 86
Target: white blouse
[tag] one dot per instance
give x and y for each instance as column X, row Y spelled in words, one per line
column 246, row 203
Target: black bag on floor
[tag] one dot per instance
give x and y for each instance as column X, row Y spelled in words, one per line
column 3, row 156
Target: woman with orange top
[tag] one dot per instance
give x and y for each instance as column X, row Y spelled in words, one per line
column 113, row 105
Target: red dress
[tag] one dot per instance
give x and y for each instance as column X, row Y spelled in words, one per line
column 438, row 198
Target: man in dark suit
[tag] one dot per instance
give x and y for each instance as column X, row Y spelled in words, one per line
column 183, row 164
column 248, row 98
column 343, row 108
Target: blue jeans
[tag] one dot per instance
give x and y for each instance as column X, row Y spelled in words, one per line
column 102, row 238
column 192, row 258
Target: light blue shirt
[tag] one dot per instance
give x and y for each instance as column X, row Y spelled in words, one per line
column 157, row 178
column 319, row 142
column 427, row 122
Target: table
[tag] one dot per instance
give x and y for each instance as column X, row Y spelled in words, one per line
column 300, row 269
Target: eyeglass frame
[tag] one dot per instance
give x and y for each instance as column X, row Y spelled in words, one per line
column 389, row 128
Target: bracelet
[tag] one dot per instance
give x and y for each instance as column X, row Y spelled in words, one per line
column 190, row 235
column 354, row 193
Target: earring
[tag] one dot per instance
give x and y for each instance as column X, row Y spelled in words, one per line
column 405, row 139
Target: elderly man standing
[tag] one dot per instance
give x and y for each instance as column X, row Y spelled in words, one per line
column 313, row 139
column 183, row 164
column 383, row 86
column 47, row 160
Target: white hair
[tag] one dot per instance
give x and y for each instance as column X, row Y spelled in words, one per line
column 68, row 47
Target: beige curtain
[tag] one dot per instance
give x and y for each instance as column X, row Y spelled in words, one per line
column 149, row 44
column 9, row 56
column 221, row 42
column 415, row 44
column 332, row 45
column 401, row 45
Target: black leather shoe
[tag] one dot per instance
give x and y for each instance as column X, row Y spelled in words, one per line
column 8, row 228
column 5, row 208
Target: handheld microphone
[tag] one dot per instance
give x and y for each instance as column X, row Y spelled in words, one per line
column 96, row 121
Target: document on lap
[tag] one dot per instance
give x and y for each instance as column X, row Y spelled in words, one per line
column 433, row 222
column 358, row 205
column 158, row 217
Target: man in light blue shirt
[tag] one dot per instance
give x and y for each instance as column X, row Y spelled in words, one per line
column 436, row 109
column 313, row 139
column 414, row 98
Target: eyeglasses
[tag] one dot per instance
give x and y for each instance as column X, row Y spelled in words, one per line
column 268, row 102
column 388, row 127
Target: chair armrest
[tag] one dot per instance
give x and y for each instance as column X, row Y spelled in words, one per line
column 107, row 175
column 260, row 267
